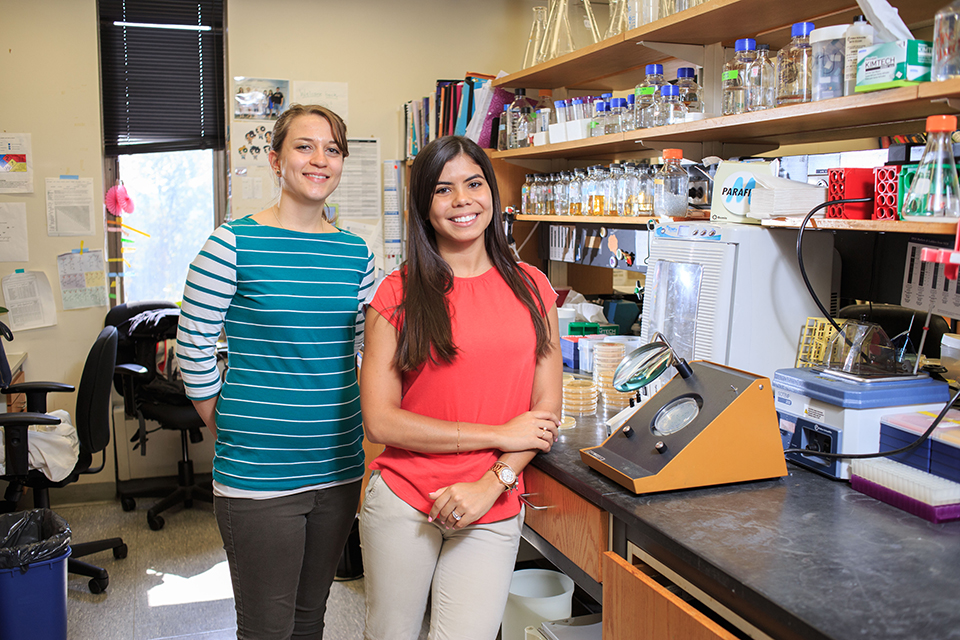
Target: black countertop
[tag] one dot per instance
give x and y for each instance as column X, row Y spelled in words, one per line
column 802, row 556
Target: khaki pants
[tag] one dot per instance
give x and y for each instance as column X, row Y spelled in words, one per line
column 466, row 572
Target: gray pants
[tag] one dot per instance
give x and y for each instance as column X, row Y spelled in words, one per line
column 283, row 554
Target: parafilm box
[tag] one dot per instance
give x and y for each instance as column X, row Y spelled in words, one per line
column 894, row 64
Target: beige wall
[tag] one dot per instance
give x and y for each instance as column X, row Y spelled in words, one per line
column 388, row 51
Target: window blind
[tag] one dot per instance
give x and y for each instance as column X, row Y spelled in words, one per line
column 162, row 75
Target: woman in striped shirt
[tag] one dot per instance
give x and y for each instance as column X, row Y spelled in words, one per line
column 288, row 288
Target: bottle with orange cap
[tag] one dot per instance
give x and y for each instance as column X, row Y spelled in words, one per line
column 934, row 193
column 671, row 186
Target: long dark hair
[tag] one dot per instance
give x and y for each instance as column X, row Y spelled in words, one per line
column 427, row 278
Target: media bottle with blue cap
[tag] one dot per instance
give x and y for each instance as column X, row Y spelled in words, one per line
column 795, row 67
column 734, row 90
column 670, row 110
column 648, row 92
column 689, row 89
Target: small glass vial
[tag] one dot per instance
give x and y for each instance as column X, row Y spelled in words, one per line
column 946, row 43
column 576, row 110
column 670, row 110
column 560, row 107
column 795, row 67
column 648, row 92
column 689, row 89
column 671, row 186
column 761, row 81
column 574, row 193
column 733, row 97
column 525, row 193
column 598, row 124
column 934, row 194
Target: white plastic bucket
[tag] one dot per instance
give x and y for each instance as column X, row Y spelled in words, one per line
column 536, row 595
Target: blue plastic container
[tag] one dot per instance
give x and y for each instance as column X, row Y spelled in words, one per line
column 33, row 605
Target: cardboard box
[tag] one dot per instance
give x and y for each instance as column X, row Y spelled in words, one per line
column 894, row 64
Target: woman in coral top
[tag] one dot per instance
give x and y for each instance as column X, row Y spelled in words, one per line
column 461, row 380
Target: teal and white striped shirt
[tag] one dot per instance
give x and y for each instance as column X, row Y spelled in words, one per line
column 291, row 303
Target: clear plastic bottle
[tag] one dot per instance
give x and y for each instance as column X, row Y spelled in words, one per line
column 859, row 35
column 761, row 81
column 946, row 43
column 934, row 193
column 690, row 93
column 670, row 110
column 598, row 124
column 648, row 92
column 574, row 192
column 671, row 186
column 733, row 98
column 795, row 67
column 525, row 193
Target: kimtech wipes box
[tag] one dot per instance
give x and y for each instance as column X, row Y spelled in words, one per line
column 894, row 64
column 733, row 187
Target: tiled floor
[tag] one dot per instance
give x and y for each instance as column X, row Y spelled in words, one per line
column 174, row 583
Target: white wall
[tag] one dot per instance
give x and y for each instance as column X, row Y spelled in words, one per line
column 388, row 51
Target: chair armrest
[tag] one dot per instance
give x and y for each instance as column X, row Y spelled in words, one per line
column 36, row 393
column 133, row 370
column 15, row 439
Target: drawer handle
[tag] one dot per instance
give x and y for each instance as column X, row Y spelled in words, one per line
column 523, row 499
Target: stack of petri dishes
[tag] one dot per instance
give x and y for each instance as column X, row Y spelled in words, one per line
column 579, row 397
column 606, row 357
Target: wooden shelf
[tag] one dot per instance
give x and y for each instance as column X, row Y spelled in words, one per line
column 618, row 63
column 901, row 110
column 640, row 221
column 888, row 226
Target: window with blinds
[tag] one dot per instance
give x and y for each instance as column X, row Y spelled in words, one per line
column 162, row 75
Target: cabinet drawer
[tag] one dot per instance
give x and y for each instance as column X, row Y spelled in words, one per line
column 17, row 403
column 636, row 607
column 577, row 528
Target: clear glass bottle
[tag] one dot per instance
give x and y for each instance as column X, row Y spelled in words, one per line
column 574, row 192
column 795, row 67
column 690, row 92
column 733, row 90
column 618, row 203
column 617, row 115
column 535, row 39
column 629, row 122
column 946, row 43
column 598, row 124
column 520, row 101
column 561, row 194
column 525, row 195
column 526, row 127
column 860, row 35
column 536, row 195
column 549, row 192
column 761, row 81
column 671, row 186
column 595, row 203
column 503, row 128
column 647, row 93
column 670, row 110
column 934, row 193
column 608, row 192
column 645, row 194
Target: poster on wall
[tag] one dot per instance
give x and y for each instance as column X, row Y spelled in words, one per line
column 259, row 98
column 83, row 282
column 332, row 95
column 70, row 206
column 16, row 163
column 250, row 143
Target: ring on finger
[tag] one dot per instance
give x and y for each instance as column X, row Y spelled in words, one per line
column 456, row 516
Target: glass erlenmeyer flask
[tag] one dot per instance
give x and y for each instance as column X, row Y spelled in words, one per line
column 558, row 40
column 934, row 194
column 589, row 21
column 618, row 18
column 537, row 30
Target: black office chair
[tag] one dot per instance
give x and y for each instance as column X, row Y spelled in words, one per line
column 896, row 319
column 147, row 397
column 92, row 421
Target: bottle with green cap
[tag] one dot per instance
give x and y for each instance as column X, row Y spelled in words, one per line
column 795, row 67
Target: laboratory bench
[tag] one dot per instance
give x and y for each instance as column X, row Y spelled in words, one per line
column 801, row 556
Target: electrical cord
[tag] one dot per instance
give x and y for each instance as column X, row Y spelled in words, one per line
column 854, row 456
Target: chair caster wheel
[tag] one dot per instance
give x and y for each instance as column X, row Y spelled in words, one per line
column 128, row 504
column 120, row 552
column 156, row 522
column 98, row 585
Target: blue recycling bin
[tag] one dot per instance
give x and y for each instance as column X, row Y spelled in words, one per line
column 34, row 547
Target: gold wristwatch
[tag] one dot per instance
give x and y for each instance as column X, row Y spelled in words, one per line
column 506, row 475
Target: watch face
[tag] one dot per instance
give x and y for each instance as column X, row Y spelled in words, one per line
column 507, row 476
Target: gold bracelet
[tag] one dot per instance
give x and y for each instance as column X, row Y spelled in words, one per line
column 458, row 437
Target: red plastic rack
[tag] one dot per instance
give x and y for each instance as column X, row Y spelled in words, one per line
column 850, row 183
column 886, row 189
